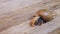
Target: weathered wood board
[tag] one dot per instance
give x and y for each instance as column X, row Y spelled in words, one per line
column 16, row 14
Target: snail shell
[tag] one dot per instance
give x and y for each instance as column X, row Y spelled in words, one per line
column 43, row 15
column 46, row 14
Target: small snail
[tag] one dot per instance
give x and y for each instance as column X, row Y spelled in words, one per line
column 42, row 16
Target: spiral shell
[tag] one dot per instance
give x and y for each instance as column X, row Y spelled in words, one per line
column 47, row 15
column 42, row 16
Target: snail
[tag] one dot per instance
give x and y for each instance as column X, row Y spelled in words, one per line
column 42, row 16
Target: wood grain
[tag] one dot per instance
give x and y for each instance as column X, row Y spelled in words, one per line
column 16, row 14
column 57, row 31
column 11, row 14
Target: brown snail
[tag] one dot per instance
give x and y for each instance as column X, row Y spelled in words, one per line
column 42, row 16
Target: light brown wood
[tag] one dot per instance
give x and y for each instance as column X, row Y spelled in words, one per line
column 16, row 14
column 57, row 31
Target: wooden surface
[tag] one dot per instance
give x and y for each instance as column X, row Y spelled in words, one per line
column 57, row 31
column 16, row 14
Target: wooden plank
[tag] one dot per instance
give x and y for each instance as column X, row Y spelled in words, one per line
column 57, row 31
column 44, row 29
column 13, row 15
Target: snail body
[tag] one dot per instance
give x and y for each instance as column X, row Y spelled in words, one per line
column 43, row 15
